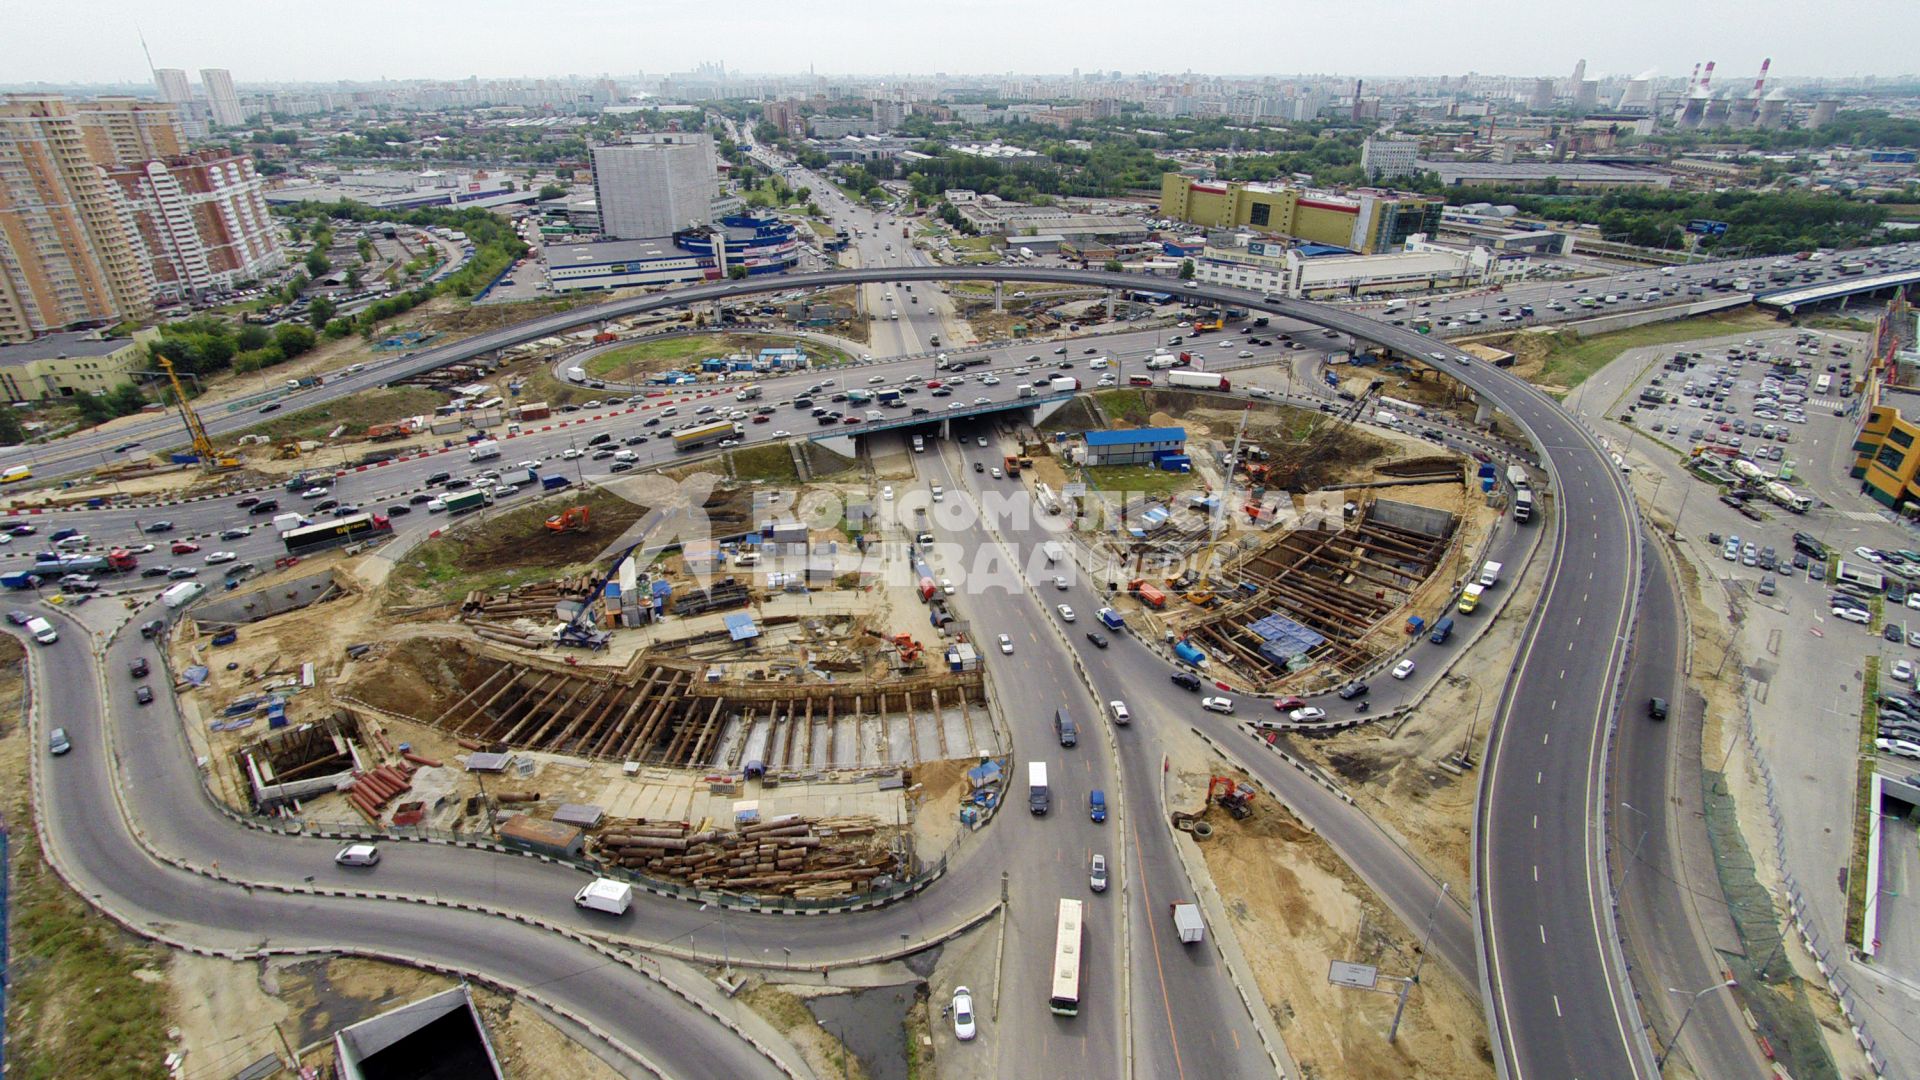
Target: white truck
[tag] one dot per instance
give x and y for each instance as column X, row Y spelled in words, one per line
column 1188, row 923
column 1053, row 551
column 1489, row 575
column 751, row 393
column 606, row 895
column 283, row 522
column 1160, row 361
column 1039, row 795
column 575, row 374
column 484, row 450
column 183, row 593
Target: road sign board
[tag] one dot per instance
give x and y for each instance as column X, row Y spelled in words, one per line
column 1707, row 228
column 1073, row 491
column 1357, row 976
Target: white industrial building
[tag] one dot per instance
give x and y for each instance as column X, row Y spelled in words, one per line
column 654, row 185
column 1270, row 268
column 1384, row 159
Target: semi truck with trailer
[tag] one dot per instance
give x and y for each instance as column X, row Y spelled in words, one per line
column 484, row 450
column 1198, row 380
column 696, row 437
column 465, row 502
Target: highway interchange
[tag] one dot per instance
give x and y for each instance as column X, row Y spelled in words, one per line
column 1558, row 999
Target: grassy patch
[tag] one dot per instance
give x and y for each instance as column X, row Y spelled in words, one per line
column 1144, row 479
column 630, row 362
column 378, row 406
column 1128, row 405
column 769, row 462
column 1571, row 359
column 511, row 547
column 75, row 1004
column 1837, row 322
column 1863, row 808
column 972, row 243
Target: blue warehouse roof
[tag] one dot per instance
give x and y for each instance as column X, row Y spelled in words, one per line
column 1136, row 435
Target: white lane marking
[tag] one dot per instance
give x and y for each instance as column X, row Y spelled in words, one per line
column 1556, row 1006
column 1537, row 776
column 1536, row 872
column 1543, row 934
column 1544, row 736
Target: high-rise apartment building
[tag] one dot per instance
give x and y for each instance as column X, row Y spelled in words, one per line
column 129, row 129
column 654, row 185
column 173, row 86
column 888, row 115
column 68, row 253
column 221, row 98
column 202, row 219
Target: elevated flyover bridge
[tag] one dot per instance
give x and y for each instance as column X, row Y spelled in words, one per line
column 1788, row 301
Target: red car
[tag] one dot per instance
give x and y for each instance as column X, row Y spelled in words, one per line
column 185, row 547
column 933, row 384
column 851, row 420
column 761, row 419
column 1288, row 704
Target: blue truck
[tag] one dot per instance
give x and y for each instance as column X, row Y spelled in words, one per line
column 1442, row 630
column 554, row 483
column 887, row 397
column 1112, row 619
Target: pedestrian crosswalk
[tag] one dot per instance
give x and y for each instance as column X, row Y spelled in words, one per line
column 1865, row 515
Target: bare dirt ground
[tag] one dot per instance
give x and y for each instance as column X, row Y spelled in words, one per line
column 1296, row 908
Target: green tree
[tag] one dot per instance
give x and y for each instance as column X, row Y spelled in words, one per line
column 813, row 210
column 320, row 311
column 11, row 433
column 364, row 249
column 353, row 277
column 292, row 339
column 737, row 272
column 1186, row 269
column 126, row 399
column 338, row 329
column 317, row 264
column 1112, row 265
column 552, row 191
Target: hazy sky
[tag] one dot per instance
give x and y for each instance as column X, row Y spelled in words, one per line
column 288, row 40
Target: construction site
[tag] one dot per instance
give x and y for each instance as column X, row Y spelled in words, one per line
column 750, row 711
column 1298, row 547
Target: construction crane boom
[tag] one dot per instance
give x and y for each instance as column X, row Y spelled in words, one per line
column 196, row 432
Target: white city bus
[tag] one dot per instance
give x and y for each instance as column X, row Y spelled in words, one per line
column 1065, row 1000
column 1823, row 384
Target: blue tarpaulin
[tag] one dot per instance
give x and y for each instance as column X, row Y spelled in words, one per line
column 740, row 627
column 1282, row 639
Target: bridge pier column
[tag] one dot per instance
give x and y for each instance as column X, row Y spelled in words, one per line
column 946, row 429
column 1110, row 298
column 999, row 297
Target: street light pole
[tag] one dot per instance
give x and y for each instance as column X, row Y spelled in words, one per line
column 1419, row 962
column 1661, row 1062
column 1635, row 856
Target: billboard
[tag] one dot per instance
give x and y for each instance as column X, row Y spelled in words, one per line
column 1707, row 228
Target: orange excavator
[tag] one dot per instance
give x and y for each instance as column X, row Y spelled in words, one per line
column 572, row 519
column 1236, row 798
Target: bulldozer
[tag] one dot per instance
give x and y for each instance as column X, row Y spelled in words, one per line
column 287, row 451
column 572, row 519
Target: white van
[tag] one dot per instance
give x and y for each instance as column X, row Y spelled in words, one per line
column 625, row 455
column 42, row 631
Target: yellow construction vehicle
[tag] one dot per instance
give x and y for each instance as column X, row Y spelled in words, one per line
column 287, row 451
column 197, row 432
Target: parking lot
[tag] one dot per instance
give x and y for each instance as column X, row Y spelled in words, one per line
column 1806, row 625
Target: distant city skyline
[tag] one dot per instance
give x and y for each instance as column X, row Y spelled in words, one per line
column 96, row 42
